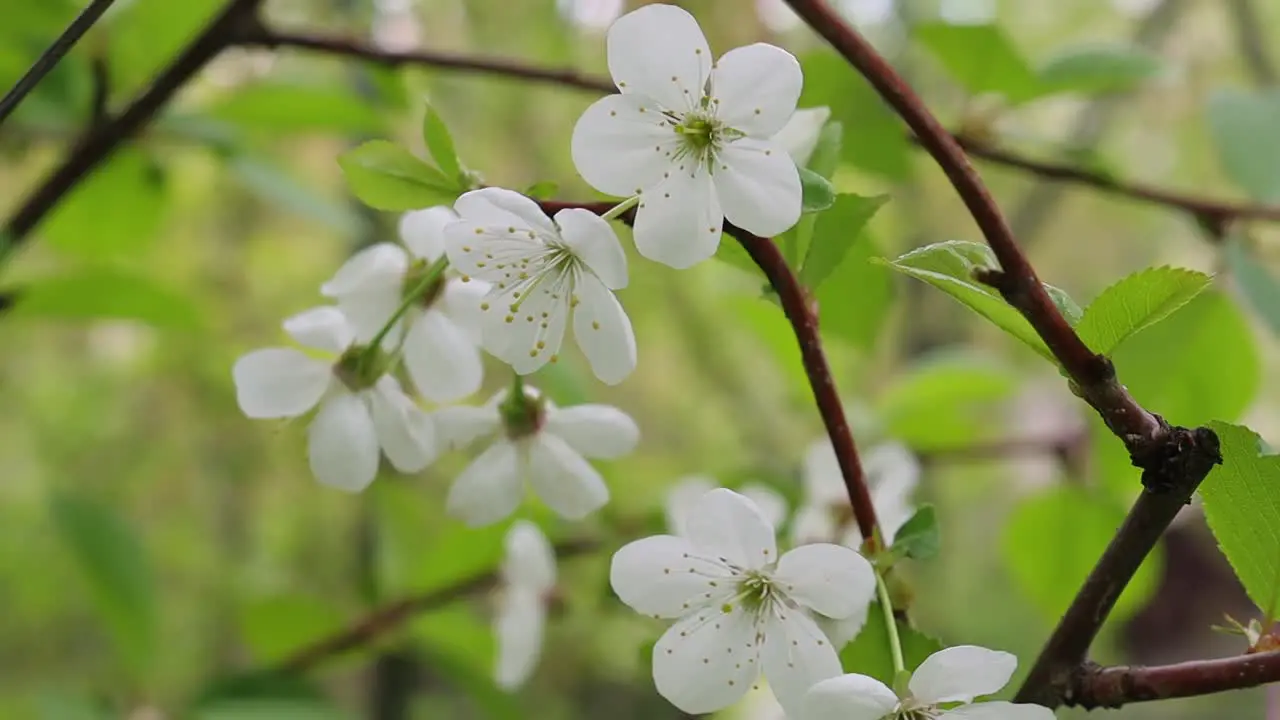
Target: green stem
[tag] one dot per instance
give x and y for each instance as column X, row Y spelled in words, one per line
column 517, row 386
column 621, row 207
column 895, row 644
column 433, row 273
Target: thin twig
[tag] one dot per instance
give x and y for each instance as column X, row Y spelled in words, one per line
column 50, row 58
column 1112, row 687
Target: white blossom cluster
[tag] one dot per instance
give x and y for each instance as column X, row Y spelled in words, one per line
column 688, row 141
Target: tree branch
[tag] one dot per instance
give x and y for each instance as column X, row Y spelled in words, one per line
column 804, row 323
column 49, row 59
column 1111, row 687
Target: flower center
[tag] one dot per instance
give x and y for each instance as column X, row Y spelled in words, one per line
column 522, row 414
column 702, row 136
column 358, row 372
column 909, row 712
column 417, row 271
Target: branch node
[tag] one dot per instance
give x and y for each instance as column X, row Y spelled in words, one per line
column 1179, row 461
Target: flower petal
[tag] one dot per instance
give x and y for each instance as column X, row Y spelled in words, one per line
column 603, row 332
column 726, row 524
column 442, row 361
column 679, row 220
column 961, row 673
column 664, row 576
column 405, row 433
column 373, row 268
column 796, row 656
column 518, row 630
column 830, row 579
column 594, row 240
column 823, row 481
column 594, row 431
column 848, row 697
column 499, row 206
column 682, row 498
column 461, row 302
column 707, row 660
column 999, row 711
column 527, row 334
column 800, row 135
column 622, row 143
column 488, row 490
column 754, row 88
column 459, row 425
column 279, row 382
column 342, row 445
column 422, row 231
column 840, row 632
column 368, row 311
column 530, row 561
column 813, row 524
column 659, row 51
column 773, row 505
column 323, row 328
column 563, row 479
column 758, row 186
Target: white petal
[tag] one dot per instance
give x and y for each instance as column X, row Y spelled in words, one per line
column 527, row 336
column 823, row 481
column 405, row 433
column 961, row 673
column 759, row 187
column 563, row 479
column 518, row 629
column 999, row 711
column 342, row 444
column 473, row 247
column 840, row 632
column 373, row 268
column 279, row 382
column 489, row 489
column 726, row 524
column 530, row 562
column 499, row 206
column 442, row 361
column 891, row 467
column 682, row 498
column 322, row 328
column 594, row 431
column 773, row 505
column 604, row 332
column 369, row 310
column 796, row 656
column 707, row 660
column 622, row 144
column 659, row 51
column 461, row 302
column 594, row 240
column 813, row 524
column 422, row 231
column 831, row 579
column 800, row 135
column 679, row 220
column 460, row 425
column 756, row 88
column 848, row 697
column 665, row 576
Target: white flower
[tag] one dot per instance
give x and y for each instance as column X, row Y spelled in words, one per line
column 741, row 609
column 954, row 675
column 542, row 272
column 361, row 408
column 440, row 346
column 688, row 491
column 800, row 135
column 528, row 577
column 537, row 442
column 692, row 140
column 892, row 473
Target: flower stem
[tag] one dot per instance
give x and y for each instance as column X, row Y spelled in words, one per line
column 891, row 623
column 621, row 207
column 433, row 274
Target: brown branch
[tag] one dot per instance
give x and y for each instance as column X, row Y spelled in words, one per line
column 1174, row 460
column 369, row 628
column 1112, row 687
column 804, row 323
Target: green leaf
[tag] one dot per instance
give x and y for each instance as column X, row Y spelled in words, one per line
column 1068, row 307
column 1098, row 70
column 98, row 293
column 835, row 232
column 386, row 176
column 1255, row 283
column 1242, row 505
column 115, row 213
column 950, row 266
column 981, row 58
column 1137, row 302
column 1072, row 526
column 112, row 559
column 1200, row 364
column 873, row 139
column 273, row 627
column 826, row 152
column 944, row 401
column 817, row 192
column 542, row 190
column 146, row 34
column 1245, row 128
column 732, row 253
column 855, row 301
column 919, row 538
column 263, row 696
column 274, row 185
column 868, row 654
column 440, row 144
column 281, row 107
